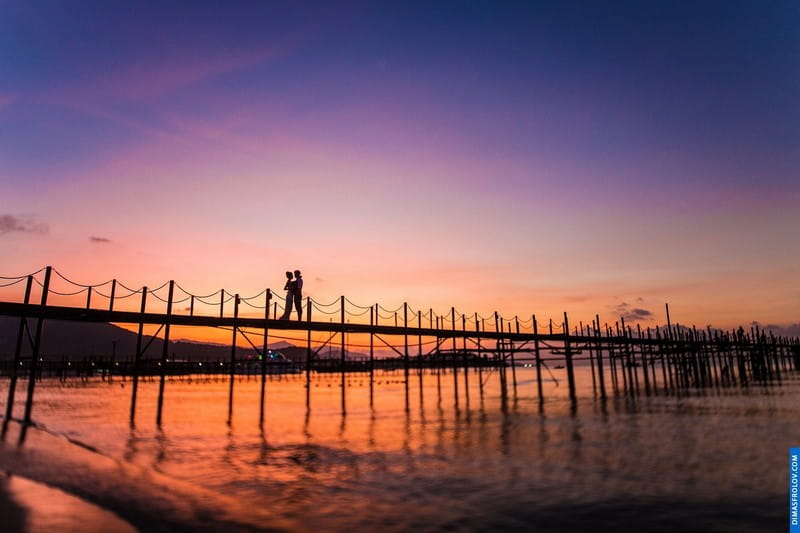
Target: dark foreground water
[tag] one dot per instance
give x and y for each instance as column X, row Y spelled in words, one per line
column 709, row 460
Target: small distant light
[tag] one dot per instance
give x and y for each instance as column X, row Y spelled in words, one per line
column 199, row 364
column 117, row 364
column 220, row 364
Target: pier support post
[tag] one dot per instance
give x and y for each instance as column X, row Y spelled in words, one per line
column 601, row 376
column 137, row 358
column 372, row 311
column 233, row 357
column 344, row 383
column 264, row 353
column 538, row 358
column 164, row 354
column 308, row 353
column 37, row 343
column 568, row 355
column 12, row 385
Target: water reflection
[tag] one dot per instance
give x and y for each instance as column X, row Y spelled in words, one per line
column 400, row 457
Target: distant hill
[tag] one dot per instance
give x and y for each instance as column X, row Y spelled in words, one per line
column 85, row 339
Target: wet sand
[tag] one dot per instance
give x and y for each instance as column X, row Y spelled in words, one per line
column 30, row 501
column 30, row 507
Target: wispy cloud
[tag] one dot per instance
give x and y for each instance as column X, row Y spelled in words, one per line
column 22, row 224
column 633, row 314
column 99, row 240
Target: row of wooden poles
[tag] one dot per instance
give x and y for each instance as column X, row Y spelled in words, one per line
column 683, row 357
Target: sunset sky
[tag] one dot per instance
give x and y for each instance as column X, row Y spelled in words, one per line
column 590, row 157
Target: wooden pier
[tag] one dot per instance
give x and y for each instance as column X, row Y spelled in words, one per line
column 622, row 360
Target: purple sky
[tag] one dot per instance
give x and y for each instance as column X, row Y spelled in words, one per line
column 526, row 158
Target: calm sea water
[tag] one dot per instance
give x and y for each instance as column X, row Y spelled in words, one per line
column 426, row 459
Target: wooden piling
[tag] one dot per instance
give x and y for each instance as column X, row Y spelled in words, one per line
column 233, row 357
column 480, row 354
column 453, row 358
column 568, row 356
column 643, row 353
column 309, row 354
column 264, row 354
column 137, row 357
column 37, row 342
column 372, row 310
column 600, row 372
column 164, row 353
column 113, row 292
column 15, row 363
column 344, row 383
column 538, row 359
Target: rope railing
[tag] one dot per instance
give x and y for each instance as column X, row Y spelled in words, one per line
column 11, row 283
column 60, row 275
column 24, row 275
column 491, row 323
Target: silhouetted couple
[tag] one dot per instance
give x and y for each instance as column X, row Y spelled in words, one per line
column 294, row 295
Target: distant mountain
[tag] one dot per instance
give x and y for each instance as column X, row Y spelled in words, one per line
column 85, row 339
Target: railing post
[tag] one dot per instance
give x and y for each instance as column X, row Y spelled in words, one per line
column 88, row 297
column 37, row 343
column 165, row 353
column 113, row 292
